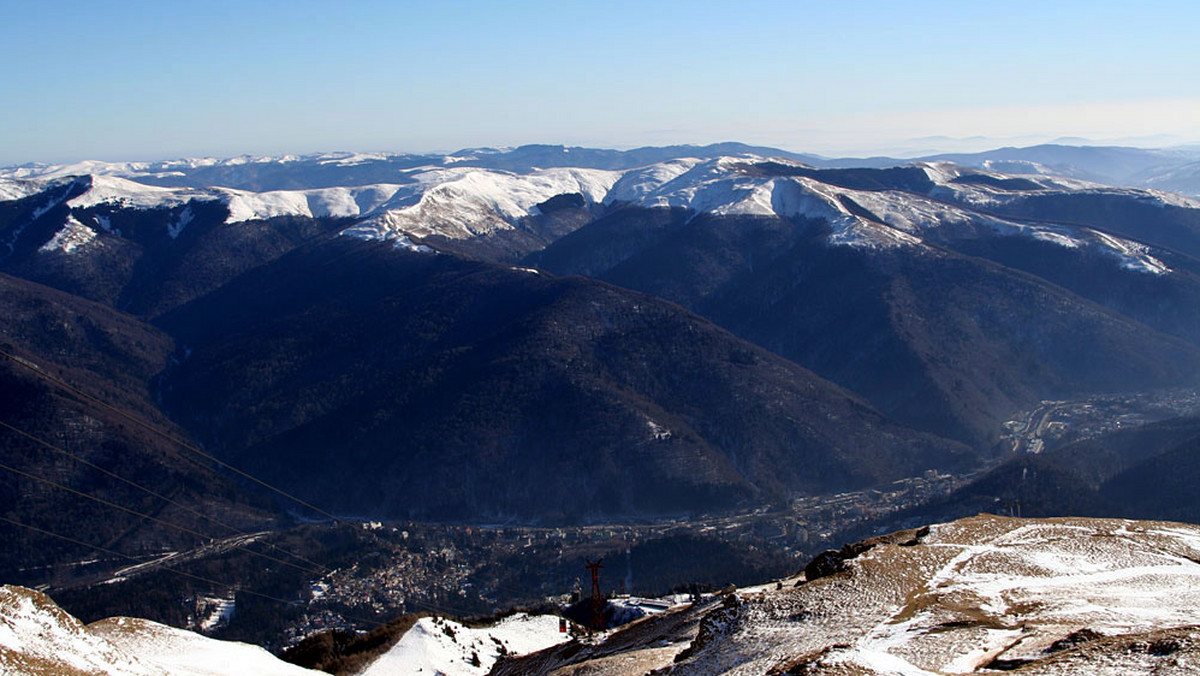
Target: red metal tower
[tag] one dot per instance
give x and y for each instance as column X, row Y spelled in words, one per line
column 597, row 597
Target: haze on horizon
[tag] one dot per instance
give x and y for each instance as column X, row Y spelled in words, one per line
column 139, row 80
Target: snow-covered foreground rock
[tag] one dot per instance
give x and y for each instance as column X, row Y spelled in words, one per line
column 440, row 646
column 980, row 595
column 38, row 637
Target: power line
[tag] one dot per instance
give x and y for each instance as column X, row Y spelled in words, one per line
column 169, row 437
column 174, row 503
column 148, row 517
column 215, row 583
column 185, row 445
column 446, row 610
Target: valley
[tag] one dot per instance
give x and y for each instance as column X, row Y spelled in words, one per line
column 615, row 338
column 385, row 569
column 473, row 569
column 1056, row 423
column 398, row 385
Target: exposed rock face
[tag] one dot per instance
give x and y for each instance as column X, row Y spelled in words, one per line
column 833, row 561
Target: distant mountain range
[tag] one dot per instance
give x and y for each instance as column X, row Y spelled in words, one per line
column 564, row 335
column 1172, row 169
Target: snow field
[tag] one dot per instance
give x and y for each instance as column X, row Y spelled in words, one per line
column 440, row 646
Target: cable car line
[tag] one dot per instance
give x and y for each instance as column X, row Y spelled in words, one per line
column 148, row 517
column 209, row 581
column 236, row 531
column 169, row 437
column 36, row 370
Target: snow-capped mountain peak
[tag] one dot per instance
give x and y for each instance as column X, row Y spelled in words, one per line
column 114, row 190
column 460, row 203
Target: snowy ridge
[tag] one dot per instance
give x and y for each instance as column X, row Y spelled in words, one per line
column 462, row 202
column 93, row 167
column 317, row 203
column 131, row 194
column 179, row 167
column 178, row 651
column 440, row 646
column 725, row 186
column 38, row 637
column 1172, row 199
column 15, row 189
column 978, row 197
column 351, row 159
column 243, row 205
column 982, row 194
column 459, row 203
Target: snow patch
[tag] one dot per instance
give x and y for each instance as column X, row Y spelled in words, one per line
column 403, row 242
column 105, row 224
column 1173, row 199
column 70, row 238
column 1058, row 238
column 1133, row 256
column 214, row 612
column 177, row 226
column 658, row 432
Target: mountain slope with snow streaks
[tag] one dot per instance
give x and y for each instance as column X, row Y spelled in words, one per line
column 1052, row 597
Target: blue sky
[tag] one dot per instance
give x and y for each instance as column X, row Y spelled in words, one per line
column 124, row 80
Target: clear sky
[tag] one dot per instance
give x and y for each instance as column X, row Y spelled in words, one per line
column 126, row 80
